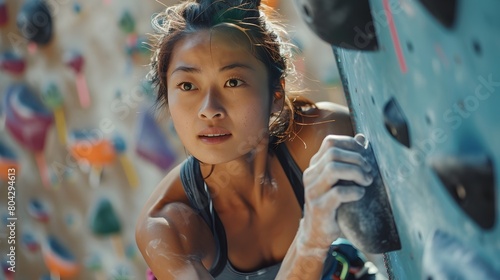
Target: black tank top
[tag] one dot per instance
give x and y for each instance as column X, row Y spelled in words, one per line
column 199, row 198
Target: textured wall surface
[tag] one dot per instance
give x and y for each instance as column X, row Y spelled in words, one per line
column 428, row 101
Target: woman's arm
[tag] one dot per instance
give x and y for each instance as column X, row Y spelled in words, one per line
column 300, row 262
column 338, row 158
column 175, row 242
column 170, row 241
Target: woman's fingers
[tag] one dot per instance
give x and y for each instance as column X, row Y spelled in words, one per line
column 339, row 141
column 319, row 183
column 342, row 194
column 335, row 155
column 347, row 156
column 340, row 158
column 337, row 195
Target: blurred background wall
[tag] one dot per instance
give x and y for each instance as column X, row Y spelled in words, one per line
column 84, row 165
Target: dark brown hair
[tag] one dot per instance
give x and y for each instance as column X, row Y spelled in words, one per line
column 268, row 39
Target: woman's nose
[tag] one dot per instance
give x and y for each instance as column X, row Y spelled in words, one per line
column 211, row 106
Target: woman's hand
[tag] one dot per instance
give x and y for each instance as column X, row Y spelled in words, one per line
column 338, row 159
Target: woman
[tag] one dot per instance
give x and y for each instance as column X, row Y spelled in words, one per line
column 239, row 207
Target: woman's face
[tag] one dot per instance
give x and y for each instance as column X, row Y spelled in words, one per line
column 218, row 95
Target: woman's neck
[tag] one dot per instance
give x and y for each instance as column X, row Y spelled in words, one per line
column 244, row 182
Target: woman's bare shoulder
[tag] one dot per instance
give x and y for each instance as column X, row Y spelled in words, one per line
column 317, row 122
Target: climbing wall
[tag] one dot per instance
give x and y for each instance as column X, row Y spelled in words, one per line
column 81, row 144
column 422, row 80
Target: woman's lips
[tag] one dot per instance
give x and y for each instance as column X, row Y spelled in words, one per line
column 214, row 135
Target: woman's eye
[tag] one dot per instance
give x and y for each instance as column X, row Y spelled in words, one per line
column 186, row 86
column 234, row 83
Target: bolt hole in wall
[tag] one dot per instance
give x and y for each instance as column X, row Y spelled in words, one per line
column 428, row 120
column 477, row 47
column 409, row 46
column 108, row 36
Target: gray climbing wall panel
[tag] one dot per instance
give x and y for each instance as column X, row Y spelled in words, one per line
column 428, row 99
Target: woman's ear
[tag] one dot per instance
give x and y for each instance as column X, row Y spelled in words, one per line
column 278, row 102
column 278, row 98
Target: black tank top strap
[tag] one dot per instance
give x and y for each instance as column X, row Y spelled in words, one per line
column 193, row 186
column 201, row 202
column 292, row 170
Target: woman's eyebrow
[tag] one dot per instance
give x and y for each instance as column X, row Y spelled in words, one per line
column 236, row 65
column 187, row 69
column 190, row 69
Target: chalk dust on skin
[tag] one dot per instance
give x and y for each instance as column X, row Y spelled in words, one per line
column 181, row 273
column 308, row 252
column 154, row 243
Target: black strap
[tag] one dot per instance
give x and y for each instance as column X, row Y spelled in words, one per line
column 292, row 171
column 199, row 198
